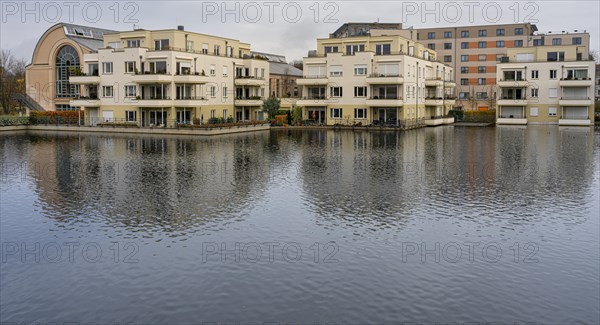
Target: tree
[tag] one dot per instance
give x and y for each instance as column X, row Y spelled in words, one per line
column 296, row 115
column 12, row 79
column 271, row 106
column 595, row 56
column 298, row 64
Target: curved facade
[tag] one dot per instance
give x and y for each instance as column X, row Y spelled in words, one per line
column 57, row 55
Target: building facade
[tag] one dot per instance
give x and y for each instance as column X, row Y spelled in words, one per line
column 169, row 77
column 474, row 51
column 375, row 77
column 57, row 54
column 546, row 85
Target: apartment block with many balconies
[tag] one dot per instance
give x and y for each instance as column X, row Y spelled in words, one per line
column 169, row 77
column 546, row 85
column 474, row 51
column 366, row 75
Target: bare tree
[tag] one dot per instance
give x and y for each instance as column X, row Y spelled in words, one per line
column 12, row 79
column 298, row 64
column 595, row 56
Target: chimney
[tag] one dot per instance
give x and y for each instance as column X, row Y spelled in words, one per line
column 180, row 27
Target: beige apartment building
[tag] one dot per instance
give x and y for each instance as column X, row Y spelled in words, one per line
column 474, row 51
column 169, row 77
column 546, row 85
column 369, row 74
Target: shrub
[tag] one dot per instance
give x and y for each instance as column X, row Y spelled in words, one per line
column 56, row 117
column 488, row 116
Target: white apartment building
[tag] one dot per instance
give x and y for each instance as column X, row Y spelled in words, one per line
column 546, row 85
column 376, row 77
column 170, row 77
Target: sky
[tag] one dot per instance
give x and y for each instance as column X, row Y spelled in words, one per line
column 289, row 28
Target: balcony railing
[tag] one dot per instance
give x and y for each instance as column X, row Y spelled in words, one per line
column 314, row 97
column 249, row 77
column 249, row 98
column 316, row 76
column 574, row 98
column 573, row 78
column 386, row 97
column 384, row 75
column 512, row 97
column 161, row 72
column 154, row 98
column 190, row 98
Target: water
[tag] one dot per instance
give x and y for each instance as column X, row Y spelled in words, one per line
column 432, row 225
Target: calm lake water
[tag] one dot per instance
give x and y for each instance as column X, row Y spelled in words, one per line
column 432, row 225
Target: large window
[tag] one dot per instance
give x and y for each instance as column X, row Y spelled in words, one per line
column 336, row 113
column 133, row 43
column 107, row 67
column 555, row 56
column 67, row 63
column 576, row 41
column 130, row 116
column 351, row 49
column 161, row 44
column 383, row 49
column 336, row 91
column 360, row 91
column 130, row 91
column 360, row 113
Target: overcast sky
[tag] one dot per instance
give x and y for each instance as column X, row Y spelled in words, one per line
column 284, row 27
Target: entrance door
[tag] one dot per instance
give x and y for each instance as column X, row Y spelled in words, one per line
column 93, row 116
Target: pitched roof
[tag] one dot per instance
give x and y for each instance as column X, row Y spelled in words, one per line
column 284, row 69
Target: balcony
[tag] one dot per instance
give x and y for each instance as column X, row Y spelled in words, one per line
column 515, row 83
column 249, row 101
column 434, row 101
column 150, row 77
column 511, row 100
column 85, row 79
column 434, row 121
column 385, row 101
column 575, row 101
column 312, row 80
column 190, row 101
column 190, row 78
column 154, row 101
column 575, row 82
column 385, row 79
column 82, row 101
column 314, row 101
column 434, row 82
column 575, row 122
column 249, row 81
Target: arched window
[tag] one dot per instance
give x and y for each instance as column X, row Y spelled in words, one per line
column 67, row 62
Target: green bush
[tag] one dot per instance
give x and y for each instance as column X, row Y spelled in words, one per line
column 488, row 116
column 13, row 120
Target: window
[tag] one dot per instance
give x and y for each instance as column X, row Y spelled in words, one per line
column 533, row 111
column 133, row 43
column 336, row 91
column 447, row 46
column 225, row 113
column 481, row 81
column 552, row 74
column 556, row 41
column 129, row 66
column 335, row 113
column 499, row 43
column 447, row 58
column 538, row 42
column 383, row 49
column 93, row 69
column 217, row 50
column 481, row 95
column 158, row 67
column 224, row 95
column 335, row 70
column 360, row 91
column 212, row 70
column 534, row 92
column 482, row 44
column 552, row 92
column 229, row 51
column 464, row 45
column 360, row 113
column 189, row 45
column 225, row 71
column 447, row 34
column 161, row 44
column 518, row 43
column 389, row 69
column 576, row 41
column 580, row 74
column 535, row 74
column 555, row 56
column 331, row 49
column 482, row 33
column 481, row 69
column 107, row 67
column 431, row 35
column 351, row 49
column 204, row 48
column 431, row 46
column 213, row 113
column 130, row 116
column 463, row 95
column 519, row 31
column 464, row 82
column 482, row 57
column 464, row 69
column 130, row 91
column 499, row 57
column 262, row 73
column 107, row 91
column 551, row 111
column 500, row 32
column 114, row 45
column 464, row 58
column 360, row 69
column 464, row 33
column 213, row 91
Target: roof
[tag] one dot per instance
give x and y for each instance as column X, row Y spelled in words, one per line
column 89, row 37
column 284, row 69
column 271, row 57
